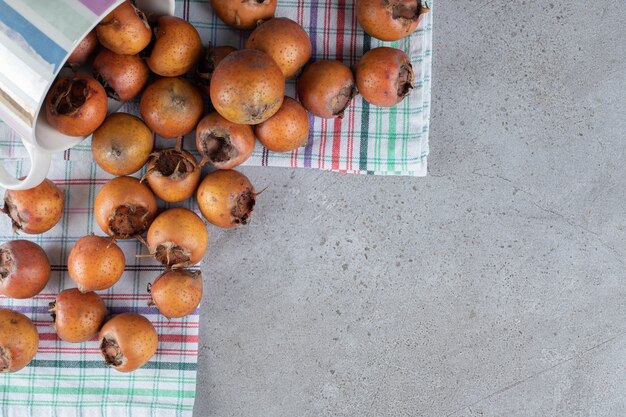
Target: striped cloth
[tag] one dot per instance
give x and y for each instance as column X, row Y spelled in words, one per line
column 70, row 379
column 369, row 140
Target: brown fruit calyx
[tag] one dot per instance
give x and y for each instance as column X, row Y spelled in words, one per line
column 256, row 113
column 172, row 255
column 107, row 88
column 342, row 100
column 6, row 264
column 69, row 95
column 405, row 80
column 112, row 353
column 406, row 11
column 217, row 147
column 128, row 221
column 53, row 310
column 171, row 163
column 11, row 210
column 5, row 360
column 243, row 207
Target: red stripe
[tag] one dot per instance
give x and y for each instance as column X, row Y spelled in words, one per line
column 96, row 351
column 171, row 338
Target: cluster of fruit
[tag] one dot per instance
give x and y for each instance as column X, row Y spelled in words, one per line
column 246, row 89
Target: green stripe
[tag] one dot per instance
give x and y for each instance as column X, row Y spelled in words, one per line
column 58, row 14
column 98, row 364
column 83, row 404
column 146, row 392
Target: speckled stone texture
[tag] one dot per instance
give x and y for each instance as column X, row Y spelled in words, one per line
column 494, row 287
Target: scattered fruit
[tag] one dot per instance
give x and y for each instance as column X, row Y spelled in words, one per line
column 247, row 87
column 24, row 269
column 95, row 263
column 122, row 76
column 389, row 20
column 125, row 30
column 171, row 107
column 326, row 88
column 36, row 210
column 122, row 144
column 177, row 293
column 384, row 76
column 226, row 198
column 286, row 130
column 77, row 315
column 223, row 144
column 244, row 14
column 173, row 174
column 124, row 208
column 76, row 105
column 177, row 47
column 127, row 342
column 178, row 238
column 19, row 340
column 285, row 41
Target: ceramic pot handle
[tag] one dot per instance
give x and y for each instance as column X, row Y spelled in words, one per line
column 39, row 166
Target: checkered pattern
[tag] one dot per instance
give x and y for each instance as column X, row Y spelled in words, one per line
column 70, row 379
column 67, row 379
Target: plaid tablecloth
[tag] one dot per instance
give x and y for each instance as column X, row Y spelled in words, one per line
column 69, row 379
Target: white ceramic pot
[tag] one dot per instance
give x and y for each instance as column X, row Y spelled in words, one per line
column 36, row 38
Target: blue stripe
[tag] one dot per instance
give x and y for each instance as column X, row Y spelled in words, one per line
column 43, row 45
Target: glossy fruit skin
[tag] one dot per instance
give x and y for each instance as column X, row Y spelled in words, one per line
column 25, row 269
column 19, row 340
column 378, row 19
column 78, row 316
column 379, row 76
column 125, row 30
column 247, row 87
column 224, row 144
column 88, row 108
column 36, row 210
column 226, row 198
column 207, row 65
column 179, row 185
column 286, row 130
column 326, row 88
column 244, row 14
column 122, row 144
column 285, row 41
column 171, row 107
column 177, row 293
column 124, row 194
column 123, row 76
column 83, row 51
column 177, row 49
column 134, row 339
column 95, row 263
column 178, row 229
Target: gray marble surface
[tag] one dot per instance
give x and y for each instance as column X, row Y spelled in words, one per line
column 494, row 287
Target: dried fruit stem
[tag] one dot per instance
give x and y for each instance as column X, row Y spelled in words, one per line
column 6, row 263
column 70, row 95
column 112, row 354
column 5, row 359
column 341, row 102
column 217, row 147
column 243, row 207
column 172, row 255
column 128, row 221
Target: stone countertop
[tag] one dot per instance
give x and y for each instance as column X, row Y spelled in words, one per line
column 494, row 287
